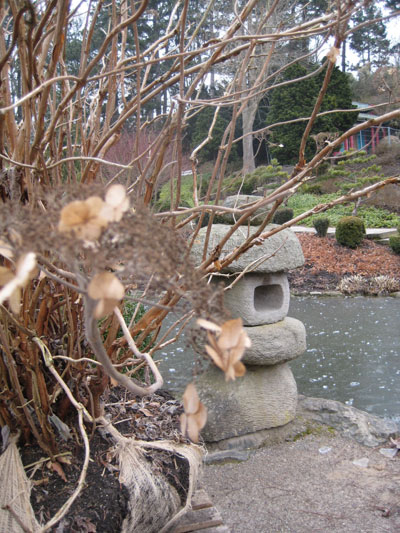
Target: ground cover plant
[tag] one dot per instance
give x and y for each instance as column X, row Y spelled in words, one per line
column 81, row 234
column 374, row 217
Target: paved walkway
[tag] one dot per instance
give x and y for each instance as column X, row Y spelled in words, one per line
column 372, row 233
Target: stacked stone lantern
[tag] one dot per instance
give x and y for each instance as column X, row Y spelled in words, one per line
column 266, row 396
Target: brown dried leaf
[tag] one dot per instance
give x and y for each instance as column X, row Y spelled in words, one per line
column 208, row 325
column 66, row 459
column 333, row 54
column 56, row 467
column 228, row 348
column 83, row 218
column 106, row 288
column 189, row 427
column 116, row 203
column 26, row 268
column 201, row 416
column 106, row 285
column 5, row 250
column 195, row 416
column 240, row 369
column 5, row 275
column 146, row 412
column 230, row 333
column 13, row 283
column 15, row 301
column 216, row 356
column 191, row 401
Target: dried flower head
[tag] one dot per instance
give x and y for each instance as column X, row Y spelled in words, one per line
column 227, row 345
column 195, row 416
column 116, row 203
column 83, row 218
column 333, row 54
column 108, row 290
column 25, row 270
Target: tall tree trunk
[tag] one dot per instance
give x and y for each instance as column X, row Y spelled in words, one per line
column 344, row 56
column 248, row 116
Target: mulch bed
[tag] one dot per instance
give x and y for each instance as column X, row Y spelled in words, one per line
column 327, row 262
column 102, row 505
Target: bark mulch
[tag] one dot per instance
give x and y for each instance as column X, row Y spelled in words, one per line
column 327, row 262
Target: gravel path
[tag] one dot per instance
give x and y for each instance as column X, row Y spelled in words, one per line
column 292, row 487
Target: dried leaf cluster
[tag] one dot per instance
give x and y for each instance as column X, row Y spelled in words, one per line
column 195, row 416
column 226, row 347
column 12, row 283
column 87, row 219
column 107, row 290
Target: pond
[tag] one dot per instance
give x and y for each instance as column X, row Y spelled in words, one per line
column 353, row 352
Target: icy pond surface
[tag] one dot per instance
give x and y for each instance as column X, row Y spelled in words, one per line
column 353, row 353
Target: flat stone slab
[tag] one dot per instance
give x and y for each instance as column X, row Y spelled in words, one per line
column 259, row 298
column 275, row 343
column 279, row 253
column 265, row 397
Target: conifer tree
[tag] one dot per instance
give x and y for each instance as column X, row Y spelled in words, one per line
column 297, row 100
column 370, row 42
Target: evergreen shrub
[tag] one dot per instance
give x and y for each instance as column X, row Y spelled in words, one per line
column 315, row 188
column 321, row 225
column 283, row 215
column 394, row 243
column 350, row 231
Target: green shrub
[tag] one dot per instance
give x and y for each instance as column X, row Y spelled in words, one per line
column 263, row 176
column 323, row 168
column 283, row 215
column 394, row 243
column 350, row 231
column 321, row 226
column 315, row 188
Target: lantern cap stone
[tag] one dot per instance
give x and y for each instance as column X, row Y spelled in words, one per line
column 279, row 253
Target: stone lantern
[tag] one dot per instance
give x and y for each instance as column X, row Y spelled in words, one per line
column 266, row 396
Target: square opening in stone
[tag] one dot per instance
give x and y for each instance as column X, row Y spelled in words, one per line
column 268, row 297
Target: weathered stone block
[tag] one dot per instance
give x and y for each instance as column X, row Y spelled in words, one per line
column 265, row 397
column 366, row 429
column 237, row 200
column 259, row 298
column 279, row 253
column 275, row 343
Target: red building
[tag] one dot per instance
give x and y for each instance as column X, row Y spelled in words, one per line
column 369, row 138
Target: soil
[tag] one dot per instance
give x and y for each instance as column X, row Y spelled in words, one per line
column 102, row 505
column 327, row 262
